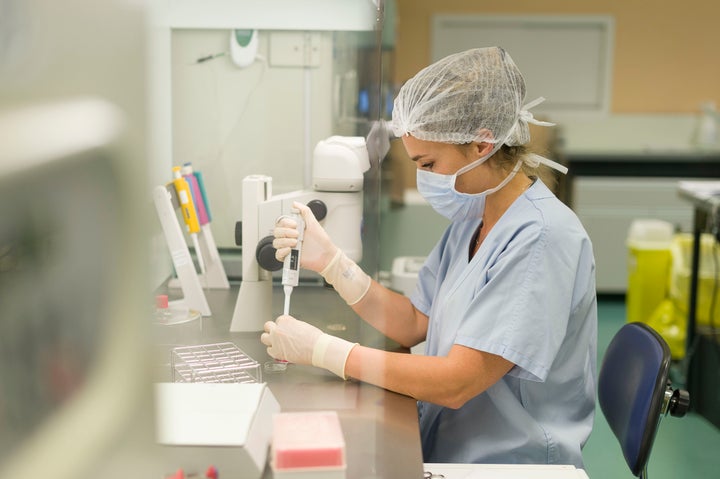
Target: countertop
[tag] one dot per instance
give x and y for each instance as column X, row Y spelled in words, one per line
column 646, row 156
column 691, row 163
column 380, row 427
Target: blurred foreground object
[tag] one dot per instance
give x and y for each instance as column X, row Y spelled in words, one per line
column 70, row 333
column 72, row 253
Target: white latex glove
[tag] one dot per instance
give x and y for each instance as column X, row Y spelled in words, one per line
column 302, row 343
column 320, row 254
column 317, row 249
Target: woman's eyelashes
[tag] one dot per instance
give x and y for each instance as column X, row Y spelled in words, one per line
column 427, row 165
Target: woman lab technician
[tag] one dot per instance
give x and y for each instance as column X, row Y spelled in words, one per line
column 506, row 299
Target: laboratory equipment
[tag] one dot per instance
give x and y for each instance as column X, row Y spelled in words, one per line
column 308, row 445
column 163, row 315
column 167, row 314
column 336, row 199
column 214, row 276
column 174, row 323
column 707, row 301
column 649, row 260
column 291, row 264
column 201, row 186
column 213, row 363
column 243, row 47
column 198, row 195
column 228, row 425
column 186, row 192
column 193, row 294
column 188, row 211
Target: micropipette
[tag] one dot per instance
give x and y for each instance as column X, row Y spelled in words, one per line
column 291, row 264
column 189, row 214
column 198, row 195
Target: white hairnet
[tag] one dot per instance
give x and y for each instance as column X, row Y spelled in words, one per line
column 475, row 95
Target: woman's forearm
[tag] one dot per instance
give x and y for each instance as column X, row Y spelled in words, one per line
column 449, row 380
column 392, row 314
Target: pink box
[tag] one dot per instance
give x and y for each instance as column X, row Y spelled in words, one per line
column 308, row 442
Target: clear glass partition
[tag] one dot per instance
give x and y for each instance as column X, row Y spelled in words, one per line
column 253, row 91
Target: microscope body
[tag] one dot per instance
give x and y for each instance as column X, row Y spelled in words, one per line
column 337, row 202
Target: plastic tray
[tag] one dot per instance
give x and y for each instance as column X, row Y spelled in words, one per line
column 214, row 363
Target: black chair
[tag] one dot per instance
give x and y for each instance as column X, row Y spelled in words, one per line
column 635, row 393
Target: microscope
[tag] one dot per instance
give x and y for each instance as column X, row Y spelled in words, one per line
column 336, row 200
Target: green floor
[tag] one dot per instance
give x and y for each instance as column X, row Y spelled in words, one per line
column 684, row 447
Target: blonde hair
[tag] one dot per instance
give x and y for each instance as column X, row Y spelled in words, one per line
column 507, row 156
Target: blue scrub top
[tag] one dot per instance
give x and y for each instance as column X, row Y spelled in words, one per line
column 527, row 295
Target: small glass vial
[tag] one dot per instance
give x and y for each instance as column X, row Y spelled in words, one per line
column 163, row 315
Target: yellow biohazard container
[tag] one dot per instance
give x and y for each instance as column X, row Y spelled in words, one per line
column 680, row 278
column 649, row 244
column 671, row 324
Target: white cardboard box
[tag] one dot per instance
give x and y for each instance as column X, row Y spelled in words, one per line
column 226, row 425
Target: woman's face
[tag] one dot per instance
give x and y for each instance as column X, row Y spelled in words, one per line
column 446, row 159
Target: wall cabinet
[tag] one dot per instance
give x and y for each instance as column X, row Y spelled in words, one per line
column 609, row 192
column 607, row 207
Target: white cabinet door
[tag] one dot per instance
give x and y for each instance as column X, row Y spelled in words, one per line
column 607, row 206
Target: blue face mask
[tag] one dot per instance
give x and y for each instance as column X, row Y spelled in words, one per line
column 439, row 190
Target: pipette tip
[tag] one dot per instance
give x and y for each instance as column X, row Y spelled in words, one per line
column 288, row 291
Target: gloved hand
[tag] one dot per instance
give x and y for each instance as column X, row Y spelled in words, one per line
column 317, row 249
column 320, row 254
column 302, row 343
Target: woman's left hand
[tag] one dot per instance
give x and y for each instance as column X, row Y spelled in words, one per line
column 299, row 342
column 290, row 340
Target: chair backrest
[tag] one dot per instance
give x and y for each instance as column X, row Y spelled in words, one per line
column 631, row 389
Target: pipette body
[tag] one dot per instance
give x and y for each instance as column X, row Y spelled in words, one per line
column 189, row 214
column 291, row 264
column 198, row 195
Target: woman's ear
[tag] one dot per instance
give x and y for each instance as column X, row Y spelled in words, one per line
column 482, row 148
